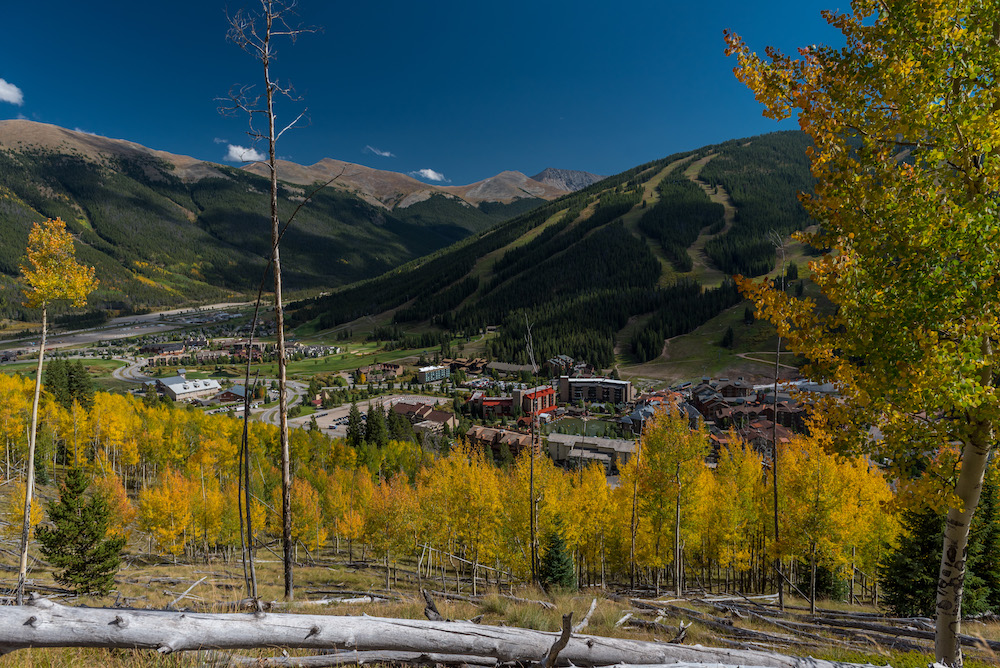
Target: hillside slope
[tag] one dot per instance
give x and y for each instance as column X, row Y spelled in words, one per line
column 164, row 229
column 644, row 247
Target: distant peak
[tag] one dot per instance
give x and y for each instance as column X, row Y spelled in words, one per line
column 566, row 179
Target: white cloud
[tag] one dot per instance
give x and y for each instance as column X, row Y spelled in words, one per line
column 243, row 154
column 86, row 132
column 11, row 93
column 220, row 141
column 429, row 174
column 384, row 154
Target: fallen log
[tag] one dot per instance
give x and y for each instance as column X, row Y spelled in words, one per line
column 586, row 618
column 456, row 597
column 359, row 658
column 967, row 640
column 43, row 623
column 354, row 592
column 527, row 601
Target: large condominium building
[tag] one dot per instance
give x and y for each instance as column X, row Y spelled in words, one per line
column 604, row 390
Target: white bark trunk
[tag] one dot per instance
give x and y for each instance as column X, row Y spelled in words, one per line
column 47, row 624
column 29, row 482
column 951, row 577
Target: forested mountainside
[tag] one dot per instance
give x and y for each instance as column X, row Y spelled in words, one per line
column 653, row 248
column 165, row 230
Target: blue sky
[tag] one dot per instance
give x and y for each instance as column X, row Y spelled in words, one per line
column 462, row 90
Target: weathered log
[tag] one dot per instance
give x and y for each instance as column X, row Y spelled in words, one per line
column 586, row 618
column 456, row 597
column 551, row 659
column 528, row 601
column 682, row 631
column 354, row 592
column 359, row 658
column 726, row 626
column 967, row 640
column 431, row 609
column 47, row 624
column 186, row 592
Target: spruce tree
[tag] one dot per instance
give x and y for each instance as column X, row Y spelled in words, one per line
column 376, row 432
column 80, row 384
column 78, row 542
column 556, row 568
column 355, row 427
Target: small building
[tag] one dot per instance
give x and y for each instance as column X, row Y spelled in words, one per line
column 495, row 439
column 430, row 374
column 175, row 349
column 568, row 450
column 234, row 393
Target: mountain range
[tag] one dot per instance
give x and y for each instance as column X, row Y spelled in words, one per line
column 601, row 266
column 165, row 229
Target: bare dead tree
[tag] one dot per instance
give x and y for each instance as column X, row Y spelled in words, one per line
column 255, row 33
column 779, row 249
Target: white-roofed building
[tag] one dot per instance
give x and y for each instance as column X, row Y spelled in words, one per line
column 180, row 388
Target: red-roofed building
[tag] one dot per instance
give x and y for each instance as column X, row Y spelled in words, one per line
column 541, row 399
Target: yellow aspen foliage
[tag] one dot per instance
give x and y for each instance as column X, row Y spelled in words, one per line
column 672, row 455
column 467, row 494
column 122, row 512
column 229, row 525
column 115, row 428
column 740, row 504
column 551, row 491
column 389, row 517
column 165, row 510
column 15, row 410
column 307, row 514
column 74, row 430
column 51, row 270
column 587, row 513
column 817, row 511
column 207, row 502
column 13, row 512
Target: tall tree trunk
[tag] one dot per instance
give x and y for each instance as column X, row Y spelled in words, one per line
column 812, row 579
column 29, row 483
column 951, row 579
column 677, row 536
column 279, row 321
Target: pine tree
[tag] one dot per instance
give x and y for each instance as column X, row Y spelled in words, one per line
column 78, row 542
column 79, row 384
column 376, row 433
column 355, row 427
column 556, row 568
column 56, row 381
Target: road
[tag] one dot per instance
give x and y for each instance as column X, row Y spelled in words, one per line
column 294, row 393
column 130, row 372
column 125, row 327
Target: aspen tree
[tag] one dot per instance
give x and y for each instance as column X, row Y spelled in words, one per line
column 906, row 158
column 51, row 273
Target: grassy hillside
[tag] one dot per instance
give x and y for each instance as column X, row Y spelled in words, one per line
column 649, row 251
